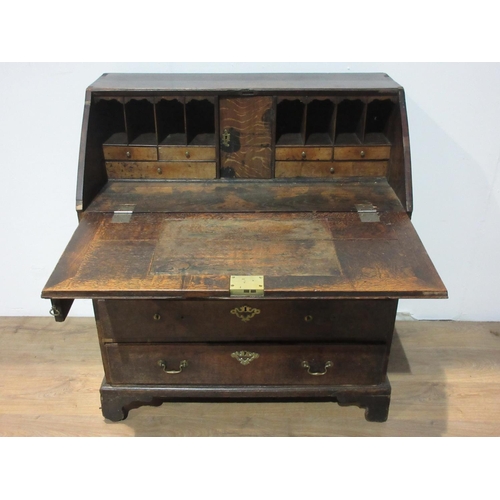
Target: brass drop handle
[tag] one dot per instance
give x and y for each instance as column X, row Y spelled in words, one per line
column 163, row 364
column 307, row 366
column 128, row 154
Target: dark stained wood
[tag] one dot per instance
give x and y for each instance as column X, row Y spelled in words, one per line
column 395, row 266
column 399, row 171
column 118, row 400
column 247, row 196
column 330, row 169
column 245, row 83
column 249, row 122
column 60, row 309
column 278, row 320
column 221, row 175
column 161, row 170
column 91, row 172
column 276, row 363
column 70, row 260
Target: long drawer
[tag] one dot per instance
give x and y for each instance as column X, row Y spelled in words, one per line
column 161, row 169
column 237, row 364
column 230, row 320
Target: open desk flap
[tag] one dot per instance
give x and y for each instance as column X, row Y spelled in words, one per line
column 300, row 254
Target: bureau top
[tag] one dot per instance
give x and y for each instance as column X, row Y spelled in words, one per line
column 241, row 82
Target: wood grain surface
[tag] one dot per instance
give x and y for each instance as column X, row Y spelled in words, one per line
column 331, row 169
column 247, row 196
column 445, row 379
column 249, row 122
column 161, row 170
column 360, row 260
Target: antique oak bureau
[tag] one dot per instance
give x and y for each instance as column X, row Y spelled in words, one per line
column 244, row 237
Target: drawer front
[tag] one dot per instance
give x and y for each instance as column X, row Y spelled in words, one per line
column 362, row 153
column 287, row 169
column 161, row 170
column 130, row 153
column 186, row 153
column 247, row 320
column 238, row 364
column 303, row 153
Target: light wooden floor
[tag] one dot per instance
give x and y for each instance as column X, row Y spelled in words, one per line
column 445, row 380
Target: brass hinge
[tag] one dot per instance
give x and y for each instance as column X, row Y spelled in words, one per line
column 246, row 286
column 367, row 212
column 123, row 214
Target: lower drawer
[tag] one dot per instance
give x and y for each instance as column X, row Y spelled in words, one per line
column 242, row 364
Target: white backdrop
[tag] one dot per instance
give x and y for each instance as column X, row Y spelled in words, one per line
column 454, row 115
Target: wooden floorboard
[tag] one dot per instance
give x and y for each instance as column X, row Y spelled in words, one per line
column 445, row 380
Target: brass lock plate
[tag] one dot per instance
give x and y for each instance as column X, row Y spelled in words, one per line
column 246, row 286
column 226, row 138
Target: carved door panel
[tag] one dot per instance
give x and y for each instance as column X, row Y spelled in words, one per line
column 246, row 137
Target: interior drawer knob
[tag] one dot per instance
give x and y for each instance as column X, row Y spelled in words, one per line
column 303, row 154
column 307, row 366
column 163, row 365
column 127, row 154
column 187, row 154
column 362, row 154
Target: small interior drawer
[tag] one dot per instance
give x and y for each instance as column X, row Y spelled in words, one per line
column 186, row 153
column 161, row 170
column 311, row 169
column 238, row 364
column 303, row 153
column 361, row 152
column 130, row 153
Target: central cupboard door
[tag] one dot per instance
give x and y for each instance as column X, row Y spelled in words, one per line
column 246, row 137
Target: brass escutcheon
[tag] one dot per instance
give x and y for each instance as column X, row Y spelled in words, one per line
column 245, row 357
column 245, row 313
column 226, row 137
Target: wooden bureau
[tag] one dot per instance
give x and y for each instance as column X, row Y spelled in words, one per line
column 244, row 237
